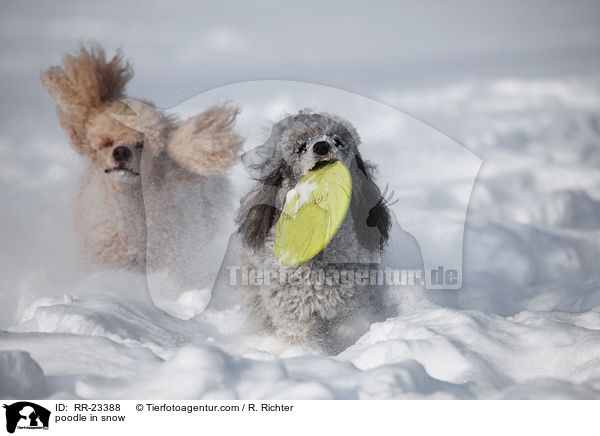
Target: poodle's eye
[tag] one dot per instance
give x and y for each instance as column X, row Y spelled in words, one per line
column 139, row 145
column 109, row 143
column 338, row 142
column 300, row 148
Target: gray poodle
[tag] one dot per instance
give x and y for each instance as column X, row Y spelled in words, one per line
column 303, row 307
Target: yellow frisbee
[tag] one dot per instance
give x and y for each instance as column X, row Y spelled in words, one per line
column 313, row 212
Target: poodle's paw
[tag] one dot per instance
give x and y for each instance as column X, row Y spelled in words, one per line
column 206, row 144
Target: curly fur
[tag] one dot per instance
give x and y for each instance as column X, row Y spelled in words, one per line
column 303, row 310
column 108, row 206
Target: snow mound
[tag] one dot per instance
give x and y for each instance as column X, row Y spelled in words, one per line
column 109, row 347
column 20, row 376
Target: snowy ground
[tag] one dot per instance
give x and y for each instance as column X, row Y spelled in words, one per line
column 526, row 323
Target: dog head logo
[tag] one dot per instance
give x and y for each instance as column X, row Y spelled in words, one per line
column 26, row 415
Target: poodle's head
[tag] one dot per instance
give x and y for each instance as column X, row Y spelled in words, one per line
column 298, row 144
column 310, row 140
column 112, row 130
column 87, row 88
column 115, row 148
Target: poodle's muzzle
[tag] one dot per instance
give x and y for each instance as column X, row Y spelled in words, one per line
column 323, row 150
column 123, row 160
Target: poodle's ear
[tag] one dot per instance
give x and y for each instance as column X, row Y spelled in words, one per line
column 86, row 79
column 73, row 124
column 206, row 144
column 369, row 208
column 84, row 82
column 259, row 209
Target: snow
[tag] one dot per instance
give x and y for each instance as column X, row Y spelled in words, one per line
column 20, row 376
column 526, row 323
column 105, row 347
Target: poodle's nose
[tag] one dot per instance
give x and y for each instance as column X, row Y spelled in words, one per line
column 121, row 154
column 321, row 148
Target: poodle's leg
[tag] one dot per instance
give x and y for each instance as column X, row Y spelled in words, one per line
column 287, row 321
column 257, row 311
column 355, row 318
column 297, row 331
